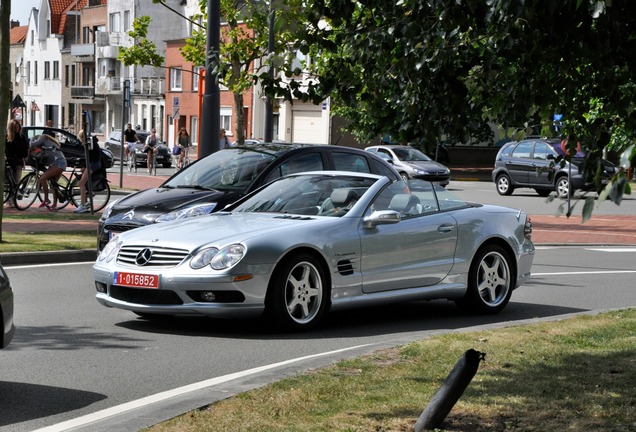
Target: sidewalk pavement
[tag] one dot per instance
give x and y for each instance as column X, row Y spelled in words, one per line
column 600, row 230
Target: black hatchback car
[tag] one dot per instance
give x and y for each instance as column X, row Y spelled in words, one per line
column 211, row 183
column 73, row 150
column 531, row 164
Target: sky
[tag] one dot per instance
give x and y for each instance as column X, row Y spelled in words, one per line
column 21, row 9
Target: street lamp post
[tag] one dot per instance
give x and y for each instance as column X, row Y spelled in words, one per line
column 211, row 110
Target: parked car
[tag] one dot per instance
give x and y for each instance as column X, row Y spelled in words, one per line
column 164, row 155
column 530, row 163
column 6, row 309
column 71, row 146
column 412, row 163
column 215, row 181
column 313, row 242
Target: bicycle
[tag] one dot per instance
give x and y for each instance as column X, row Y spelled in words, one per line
column 152, row 166
column 186, row 161
column 131, row 161
column 10, row 183
column 66, row 188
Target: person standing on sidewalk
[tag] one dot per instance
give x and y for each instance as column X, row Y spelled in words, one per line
column 17, row 149
column 94, row 163
column 224, row 142
column 54, row 159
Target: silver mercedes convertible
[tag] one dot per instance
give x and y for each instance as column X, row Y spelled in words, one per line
column 313, row 242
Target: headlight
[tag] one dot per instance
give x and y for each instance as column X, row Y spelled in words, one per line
column 192, row 211
column 106, row 213
column 110, row 251
column 218, row 259
column 420, row 171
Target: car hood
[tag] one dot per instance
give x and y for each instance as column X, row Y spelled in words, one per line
column 427, row 165
column 222, row 229
column 162, row 200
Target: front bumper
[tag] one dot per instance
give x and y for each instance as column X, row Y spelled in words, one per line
column 179, row 292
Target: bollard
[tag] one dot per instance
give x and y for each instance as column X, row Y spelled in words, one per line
column 451, row 390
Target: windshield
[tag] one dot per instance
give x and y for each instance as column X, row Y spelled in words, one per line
column 225, row 170
column 410, row 154
column 321, row 195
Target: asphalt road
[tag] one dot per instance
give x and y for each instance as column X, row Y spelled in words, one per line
column 74, row 363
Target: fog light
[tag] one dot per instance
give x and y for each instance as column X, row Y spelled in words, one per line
column 208, row 296
column 100, row 287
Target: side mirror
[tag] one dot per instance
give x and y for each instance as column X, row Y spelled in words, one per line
column 382, row 217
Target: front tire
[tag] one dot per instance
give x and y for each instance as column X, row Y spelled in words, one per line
column 490, row 281
column 297, row 295
column 504, row 185
column 563, row 187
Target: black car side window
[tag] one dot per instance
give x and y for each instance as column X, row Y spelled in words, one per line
column 522, row 150
column 304, row 162
column 350, row 162
column 540, row 151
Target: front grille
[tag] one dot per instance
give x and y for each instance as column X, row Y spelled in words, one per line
column 158, row 256
column 120, row 228
column 145, row 296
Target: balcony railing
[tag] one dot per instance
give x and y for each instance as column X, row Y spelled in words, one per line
column 82, row 92
column 108, row 85
column 83, row 50
column 148, row 86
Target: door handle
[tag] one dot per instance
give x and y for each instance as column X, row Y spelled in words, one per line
column 446, row 228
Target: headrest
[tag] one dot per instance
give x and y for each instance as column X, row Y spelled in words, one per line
column 343, row 196
column 403, row 202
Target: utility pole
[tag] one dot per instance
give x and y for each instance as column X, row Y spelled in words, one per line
column 269, row 103
column 211, row 110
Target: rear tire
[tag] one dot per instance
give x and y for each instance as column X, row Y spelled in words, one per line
column 297, row 295
column 490, row 281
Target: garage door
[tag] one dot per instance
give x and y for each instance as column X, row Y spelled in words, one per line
column 307, row 127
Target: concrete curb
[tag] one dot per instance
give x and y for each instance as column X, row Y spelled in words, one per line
column 52, row 257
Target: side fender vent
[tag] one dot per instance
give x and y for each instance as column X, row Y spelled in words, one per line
column 345, row 267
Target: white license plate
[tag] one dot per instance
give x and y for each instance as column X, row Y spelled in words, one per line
column 136, row 280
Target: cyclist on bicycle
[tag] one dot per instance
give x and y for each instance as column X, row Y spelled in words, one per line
column 152, row 145
column 183, row 141
column 54, row 159
column 130, row 139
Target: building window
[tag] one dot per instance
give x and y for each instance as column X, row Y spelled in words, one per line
column 47, row 70
column 72, row 75
column 35, row 74
column 194, row 129
column 126, row 20
column 114, row 22
column 144, row 117
column 71, row 114
column 32, row 37
column 66, row 76
column 56, row 69
column 86, row 35
column 175, row 78
column 28, row 73
column 196, row 71
column 153, row 116
column 226, row 120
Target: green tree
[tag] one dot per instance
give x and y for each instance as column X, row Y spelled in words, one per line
column 244, row 42
column 423, row 69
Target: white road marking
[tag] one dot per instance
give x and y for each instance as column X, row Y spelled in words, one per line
column 584, row 273
column 159, row 397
